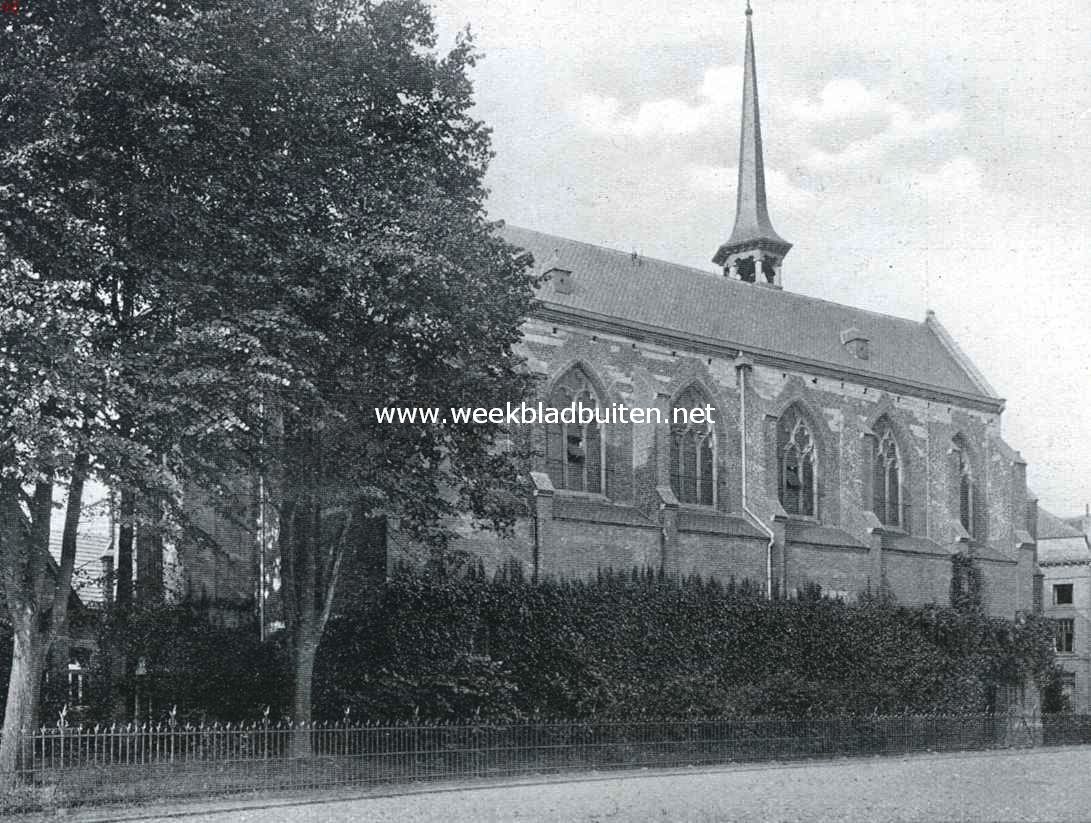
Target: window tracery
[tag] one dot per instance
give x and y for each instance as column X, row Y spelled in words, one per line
column 574, row 452
column 797, row 465
column 692, row 452
column 887, row 484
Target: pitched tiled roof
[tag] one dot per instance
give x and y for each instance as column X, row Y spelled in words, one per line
column 1058, row 542
column 87, row 573
column 644, row 293
column 1051, row 527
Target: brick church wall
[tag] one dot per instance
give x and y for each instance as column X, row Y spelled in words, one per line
column 636, row 523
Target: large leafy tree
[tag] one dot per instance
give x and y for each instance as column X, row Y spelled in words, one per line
column 116, row 361
column 229, row 231
column 365, row 168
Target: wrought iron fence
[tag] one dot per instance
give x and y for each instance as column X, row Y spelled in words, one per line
column 70, row 765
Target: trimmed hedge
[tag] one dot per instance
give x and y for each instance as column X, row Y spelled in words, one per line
column 641, row 645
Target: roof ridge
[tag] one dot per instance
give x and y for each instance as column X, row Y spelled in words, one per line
column 720, row 279
column 612, row 250
column 1059, row 524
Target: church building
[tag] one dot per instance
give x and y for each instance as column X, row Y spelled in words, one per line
column 853, row 450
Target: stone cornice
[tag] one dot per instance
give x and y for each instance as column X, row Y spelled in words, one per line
column 592, row 321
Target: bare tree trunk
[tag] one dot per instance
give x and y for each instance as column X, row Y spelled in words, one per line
column 304, row 650
column 24, row 561
column 311, row 543
column 24, row 552
column 24, row 686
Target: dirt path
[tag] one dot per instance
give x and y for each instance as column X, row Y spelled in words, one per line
column 1030, row 785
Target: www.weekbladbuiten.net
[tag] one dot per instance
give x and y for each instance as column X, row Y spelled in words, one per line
column 532, row 413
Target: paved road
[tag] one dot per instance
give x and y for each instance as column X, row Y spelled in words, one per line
column 1037, row 785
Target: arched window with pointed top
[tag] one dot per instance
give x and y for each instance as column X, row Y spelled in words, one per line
column 964, row 473
column 574, row 452
column 693, row 451
column 887, row 485
column 797, row 465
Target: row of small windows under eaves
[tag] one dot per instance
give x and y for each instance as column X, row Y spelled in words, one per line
column 576, row 460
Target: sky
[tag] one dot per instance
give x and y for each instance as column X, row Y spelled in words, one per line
column 919, row 155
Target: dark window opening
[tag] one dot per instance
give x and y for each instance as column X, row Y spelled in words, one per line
column 769, row 270
column 967, row 491
column 1062, row 594
column 692, row 453
column 796, row 458
column 1064, row 639
column 887, row 479
column 573, row 451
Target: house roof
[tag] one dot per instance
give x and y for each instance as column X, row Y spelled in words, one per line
column 1058, row 542
column 643, row 293
column 87, row 572
column 1051, row 527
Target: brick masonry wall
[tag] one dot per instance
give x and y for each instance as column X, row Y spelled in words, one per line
column 918, row 579
column 637, row 522
column 1079, row 611
column 721, row 556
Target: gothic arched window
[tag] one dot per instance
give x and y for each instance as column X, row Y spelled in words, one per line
column 574, row 452
column 693, row 450
column 887, row 477
column 965, row 477
column 796, row 459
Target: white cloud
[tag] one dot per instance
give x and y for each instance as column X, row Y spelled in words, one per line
column 852, row 126
column 956, row 178
column 839, row 99
column 720, row 89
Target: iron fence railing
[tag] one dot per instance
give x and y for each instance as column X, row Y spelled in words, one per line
column 68, row 765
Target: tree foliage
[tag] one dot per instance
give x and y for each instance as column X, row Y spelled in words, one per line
column 230, row 230
column 192, row 666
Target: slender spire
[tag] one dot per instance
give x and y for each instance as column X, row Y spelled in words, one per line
column 753, row 233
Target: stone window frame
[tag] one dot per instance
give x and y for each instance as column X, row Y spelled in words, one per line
column 704, row 437
column 1064, row 638
column 968, row 501
column 575, row 382
column 1069, row 591
column 884, row 466
column 1068, row 685
column 811, row 454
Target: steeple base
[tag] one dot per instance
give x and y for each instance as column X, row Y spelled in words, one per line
column 753, row 263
